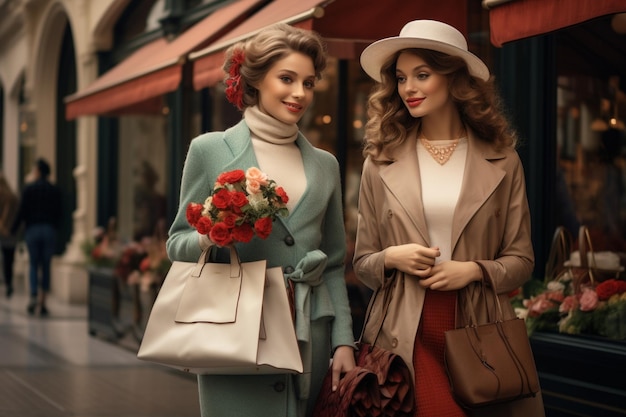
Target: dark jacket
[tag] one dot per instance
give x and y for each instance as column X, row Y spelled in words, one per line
column 40, row 203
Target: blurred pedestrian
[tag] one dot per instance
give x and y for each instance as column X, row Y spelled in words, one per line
column 8, row 208
column 40, row 212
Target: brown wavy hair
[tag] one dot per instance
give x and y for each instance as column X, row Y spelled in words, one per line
column 271, row 45
column 477, row 101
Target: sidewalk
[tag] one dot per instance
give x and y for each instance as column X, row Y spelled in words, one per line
column 52, row 367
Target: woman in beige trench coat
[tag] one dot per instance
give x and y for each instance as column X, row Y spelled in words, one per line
column 442, row 202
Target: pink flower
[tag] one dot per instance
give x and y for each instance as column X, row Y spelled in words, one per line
column 588, row 299
column 539, row 306
column 556, row 296
column 569, row 303
column 253, row 187
column 255, row 174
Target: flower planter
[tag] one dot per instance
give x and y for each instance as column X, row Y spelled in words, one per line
column 117, row 309
column 580, row 375
column 103, row 303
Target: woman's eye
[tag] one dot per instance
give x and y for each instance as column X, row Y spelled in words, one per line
column 285, row 79
column 400, row 79
column 422, row 76
column 309, row 84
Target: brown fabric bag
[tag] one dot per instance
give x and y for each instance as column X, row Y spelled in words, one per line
column 379, row 385
column 489, row 363
column 394, row 379
column 357, row 395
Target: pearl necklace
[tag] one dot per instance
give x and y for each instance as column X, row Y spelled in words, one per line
column 440, row 153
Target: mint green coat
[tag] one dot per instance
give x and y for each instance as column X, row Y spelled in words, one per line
column 315, row 223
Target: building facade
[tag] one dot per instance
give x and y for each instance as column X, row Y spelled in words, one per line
column 111, row 92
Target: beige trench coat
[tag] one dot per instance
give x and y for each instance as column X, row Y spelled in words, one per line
column 491, row 226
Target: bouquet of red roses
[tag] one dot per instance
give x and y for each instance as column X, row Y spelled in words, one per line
column 241, row 205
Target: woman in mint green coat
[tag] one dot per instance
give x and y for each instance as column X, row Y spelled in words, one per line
column 271, row 78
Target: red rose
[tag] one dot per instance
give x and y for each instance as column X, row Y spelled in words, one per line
column 515, row 292
column 610, row 287
column 263, row 227
column 238, row 199
column 231, row 177
column 221, row 199
column 230, row 219
column 280, row 191
column 243, row 233
column 204, row 225
column 194, row 212
column 145, row 264
column 220, row 234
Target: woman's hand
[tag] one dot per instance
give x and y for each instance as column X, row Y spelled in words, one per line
column 343, row 361
column 452, row 275
column 411, row 258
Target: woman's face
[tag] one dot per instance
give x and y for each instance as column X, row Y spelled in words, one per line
column 286, row 91
column 423, row 91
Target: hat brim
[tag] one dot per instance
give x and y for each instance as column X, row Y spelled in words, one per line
column 375, row 55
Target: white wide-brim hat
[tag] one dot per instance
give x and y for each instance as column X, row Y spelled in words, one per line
column 426, row 34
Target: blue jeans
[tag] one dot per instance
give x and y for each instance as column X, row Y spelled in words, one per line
column 40, row 241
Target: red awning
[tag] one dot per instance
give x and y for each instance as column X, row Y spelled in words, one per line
column 137, row 84
column 517, row 19
column 347, row 26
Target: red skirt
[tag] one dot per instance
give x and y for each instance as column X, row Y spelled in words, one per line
column 432, row 389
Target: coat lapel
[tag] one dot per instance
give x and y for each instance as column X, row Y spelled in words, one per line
column 480, row 180
column 402, row 179
column 237, row 139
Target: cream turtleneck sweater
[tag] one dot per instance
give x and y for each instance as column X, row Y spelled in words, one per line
column 274, row 144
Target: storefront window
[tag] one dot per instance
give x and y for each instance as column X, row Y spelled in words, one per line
column 142, row 177
column 591, row 138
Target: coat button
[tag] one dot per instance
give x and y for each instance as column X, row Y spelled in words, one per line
column 279, row 387
column 289, row 270
column 289, row 240
column 389, row 214
column 394, row 343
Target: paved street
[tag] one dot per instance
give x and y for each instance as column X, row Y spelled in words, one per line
column 52, row 367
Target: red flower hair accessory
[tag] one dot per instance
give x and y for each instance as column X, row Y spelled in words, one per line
column 234, row 91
